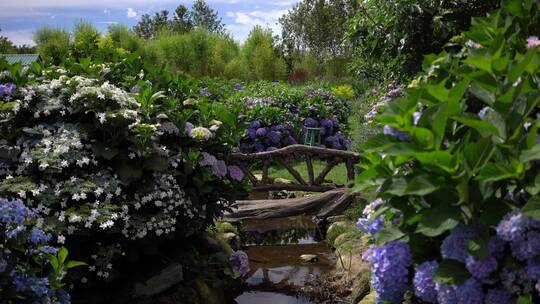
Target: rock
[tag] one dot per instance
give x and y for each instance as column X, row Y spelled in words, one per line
column 343, row 238
column 337, row 218
column 166, row 279
column 309, row 258
column 206, row 294
column 280, row 180
column 369, row 299
column 337, row 229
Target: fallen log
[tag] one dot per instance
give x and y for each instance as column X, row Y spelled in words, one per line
column 322, row 205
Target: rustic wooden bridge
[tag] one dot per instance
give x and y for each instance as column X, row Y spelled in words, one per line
column 331, row 199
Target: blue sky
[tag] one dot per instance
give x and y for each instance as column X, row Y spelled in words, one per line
column 20, row 18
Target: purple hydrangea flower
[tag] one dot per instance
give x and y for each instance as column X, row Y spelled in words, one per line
column 311, row 123
column 388, row 130
column 208, row 160
column 532, row 41
column 256, row 124
column 516, row 281
column 370, row 226
column 424, row 286
column 389, row 268
column 533, row 269
column 513, row 226
column 261, row 132
column 240, row 262
column 454, row 246
column 219, row 169
column 469, row 292
column 274, row 136
column 205, row 92
column 188, row 127
column 236, row 173
column 251, row 133
column 481, row 268
column 7, row 89
column 259, row 147
column 290, row 141
column 238, row 87
column 499, row 296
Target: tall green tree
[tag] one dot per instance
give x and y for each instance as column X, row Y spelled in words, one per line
column 6, row 46
column 204, row 16
column 149, row 26
column 182, row 21
column 391, row 36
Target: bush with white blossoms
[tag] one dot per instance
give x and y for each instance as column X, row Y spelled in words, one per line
column 102, row 164
column 457, row 172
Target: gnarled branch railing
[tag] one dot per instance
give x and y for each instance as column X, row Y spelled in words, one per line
column 285, row 156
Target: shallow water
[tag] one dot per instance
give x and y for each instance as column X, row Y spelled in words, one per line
column 274, row 247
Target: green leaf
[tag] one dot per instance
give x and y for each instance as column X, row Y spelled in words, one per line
column 477, row 124
column 525, row 299
column 438, row 91
column 530, row 154
column 481, row 62
column 532, row 208
column 54, row 262
column 423, row 136
column 438, row 219
column 62, row 255
column 389, row 234
column 451, row 272
column 418, row 185
column 497, row 172
column 483, row 94
column 477, row 154
column 534, row 186
column 72, row 264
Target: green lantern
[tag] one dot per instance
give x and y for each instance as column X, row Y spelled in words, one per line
column 312, row 137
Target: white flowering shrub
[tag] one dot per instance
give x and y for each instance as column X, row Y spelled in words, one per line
column 101, row 164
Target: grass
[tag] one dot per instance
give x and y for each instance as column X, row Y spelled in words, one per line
column 338, row 175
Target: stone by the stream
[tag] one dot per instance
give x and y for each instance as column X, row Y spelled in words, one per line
column 309, row 258
column 337, row 218
column 167, row 278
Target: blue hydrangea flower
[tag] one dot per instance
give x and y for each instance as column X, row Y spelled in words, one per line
column 469, row 292
column 256, row 124
column 274, row 136
column 236, row 173
column 516, row 281
column 454, row 245
column 481, row 268
column 7, row 89
column 389, row 269
column 251, row 133
column 370, row 226
column 513, row 226
column 527, row 246
column 14, row 212
column 240, row 262
column 290, row 141
column 499, row 296
column 424, row 286
column 37, row 236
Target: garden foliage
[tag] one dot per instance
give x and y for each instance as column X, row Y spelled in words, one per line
column 108, row 157
column 457, row 172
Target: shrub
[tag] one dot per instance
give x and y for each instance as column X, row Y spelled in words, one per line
column 53, row 44
column 85, row 40
column 298, row 76
column 104, row 165
column 457, row 171
column 344, row 92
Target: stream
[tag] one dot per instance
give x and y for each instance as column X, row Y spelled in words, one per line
column 274, row 247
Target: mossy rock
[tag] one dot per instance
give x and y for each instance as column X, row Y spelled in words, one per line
column 362, row 286
column 369, row 299
column 225, row 227
column 338, row 228
column 206, row 294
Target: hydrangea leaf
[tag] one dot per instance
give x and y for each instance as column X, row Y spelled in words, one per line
column 451, row 272
column 532, row 208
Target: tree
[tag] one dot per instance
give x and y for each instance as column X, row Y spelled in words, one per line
column 53, row 44
column 204, row 16
column 263, row 58
column 390, row 37
column 182, row 21
column 148, row 27
column 317, row 27
column 6, row 46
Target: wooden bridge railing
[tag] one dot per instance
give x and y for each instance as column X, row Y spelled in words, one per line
column 285, row 157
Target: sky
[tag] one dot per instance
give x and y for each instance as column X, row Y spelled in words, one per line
column 20, row 18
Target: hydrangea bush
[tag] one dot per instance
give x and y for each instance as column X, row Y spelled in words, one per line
column 457, row 171
column 111, row 159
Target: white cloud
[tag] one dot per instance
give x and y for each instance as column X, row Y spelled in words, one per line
column 20, row 37
column 131, row 13
column 244, row 21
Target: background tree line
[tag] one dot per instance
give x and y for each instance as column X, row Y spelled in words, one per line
column 368, row 39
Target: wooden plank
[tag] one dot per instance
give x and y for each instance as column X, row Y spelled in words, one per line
column 318, row 205
column 298, row 149
column 291, row 187
column 291, row 170
column 248, row 173
column 350, row 170
column 311, row 174
column 266, row 164
column 329, row 166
